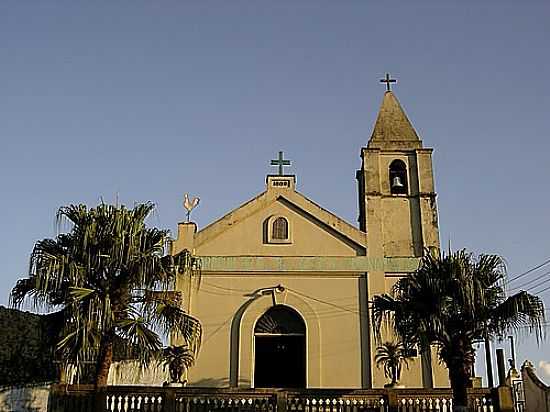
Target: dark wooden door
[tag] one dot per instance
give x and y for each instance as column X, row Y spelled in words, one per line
column 280, row 361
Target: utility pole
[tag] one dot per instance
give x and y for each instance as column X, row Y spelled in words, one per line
column 488, row 362
column 512, row 351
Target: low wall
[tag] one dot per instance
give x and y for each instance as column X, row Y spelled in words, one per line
column 25, row 398
column 84, row 398
column 537, row 394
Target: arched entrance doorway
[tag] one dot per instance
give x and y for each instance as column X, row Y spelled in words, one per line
column 280, row 349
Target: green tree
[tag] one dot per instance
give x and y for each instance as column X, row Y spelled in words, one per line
column 392, row 356
column 451, row 301
column 110, row 280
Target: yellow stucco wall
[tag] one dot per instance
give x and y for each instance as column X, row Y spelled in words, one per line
column 309, row 238
column 229, row 307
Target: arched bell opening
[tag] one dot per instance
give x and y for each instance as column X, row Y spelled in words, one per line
column 280, row 349
column 398, row 177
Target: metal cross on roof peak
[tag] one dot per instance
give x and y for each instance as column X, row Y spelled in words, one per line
column 387, row 80
column 280, row 162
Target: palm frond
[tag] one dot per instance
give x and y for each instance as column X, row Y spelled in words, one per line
column 144, row 340
column 100, row 271
column 384, row 308
column 79, row 294
column 453, row 299
column 181, row 354
column 170, row 318
column 521, row 309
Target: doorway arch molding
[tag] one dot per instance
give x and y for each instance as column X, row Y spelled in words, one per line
column 253, row 311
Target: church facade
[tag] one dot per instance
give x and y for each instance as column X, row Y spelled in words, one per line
column 285, row 288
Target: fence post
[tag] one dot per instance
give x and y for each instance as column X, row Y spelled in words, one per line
column 393, row 402
column 169, row 400
column 504, row 399
column 99, row 399
column 282, row 397
column 53, row 399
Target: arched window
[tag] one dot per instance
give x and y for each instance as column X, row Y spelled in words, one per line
column 279, row 230
column 398, row 177
column 281, row 320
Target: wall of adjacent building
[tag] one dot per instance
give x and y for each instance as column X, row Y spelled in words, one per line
column 130, row 372
column 24, row 398
column 537, row 394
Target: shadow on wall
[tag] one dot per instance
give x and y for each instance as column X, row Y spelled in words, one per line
column 31, row 398
column 130, row 373
column 210, row 383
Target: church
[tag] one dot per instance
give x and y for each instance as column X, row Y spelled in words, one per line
column 286, row 284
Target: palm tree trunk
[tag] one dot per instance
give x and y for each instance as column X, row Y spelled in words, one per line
column 459, row 359
column 459, row 375
column 105, row 359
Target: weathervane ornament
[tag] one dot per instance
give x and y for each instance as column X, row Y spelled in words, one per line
column 189, row 204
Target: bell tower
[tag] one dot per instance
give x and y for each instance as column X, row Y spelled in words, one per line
column 397, row 205
column 398, row 211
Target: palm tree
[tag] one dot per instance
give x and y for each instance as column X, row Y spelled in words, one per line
column 392, row 356
column 451, row 301
column 109, row 279
column 178, row 359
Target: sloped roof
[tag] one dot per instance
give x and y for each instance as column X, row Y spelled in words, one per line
column 297, row 200
column 393, row 128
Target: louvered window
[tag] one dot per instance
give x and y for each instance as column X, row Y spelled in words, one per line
column 280, row 229
column 280, row 320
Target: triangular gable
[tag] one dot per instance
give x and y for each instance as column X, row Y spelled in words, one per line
column 295, row 203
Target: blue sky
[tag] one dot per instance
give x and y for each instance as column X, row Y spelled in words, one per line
column 148, row 100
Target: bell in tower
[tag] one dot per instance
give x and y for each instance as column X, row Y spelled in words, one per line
column 398, row 177
column 396, row 184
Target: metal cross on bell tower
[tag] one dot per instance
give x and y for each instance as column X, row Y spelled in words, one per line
column 281, row 162
column 388, row 81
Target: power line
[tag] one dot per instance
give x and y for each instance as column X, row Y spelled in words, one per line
column 530, row 289
column 529, row 271
column 531, row 281
column 211, row 292
column 544, row 324
column 340, row 308
column 540, row 284
column 326, row 303
column 218, row 329
column 322, row 314
column 228, row 289
column 541, row 291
